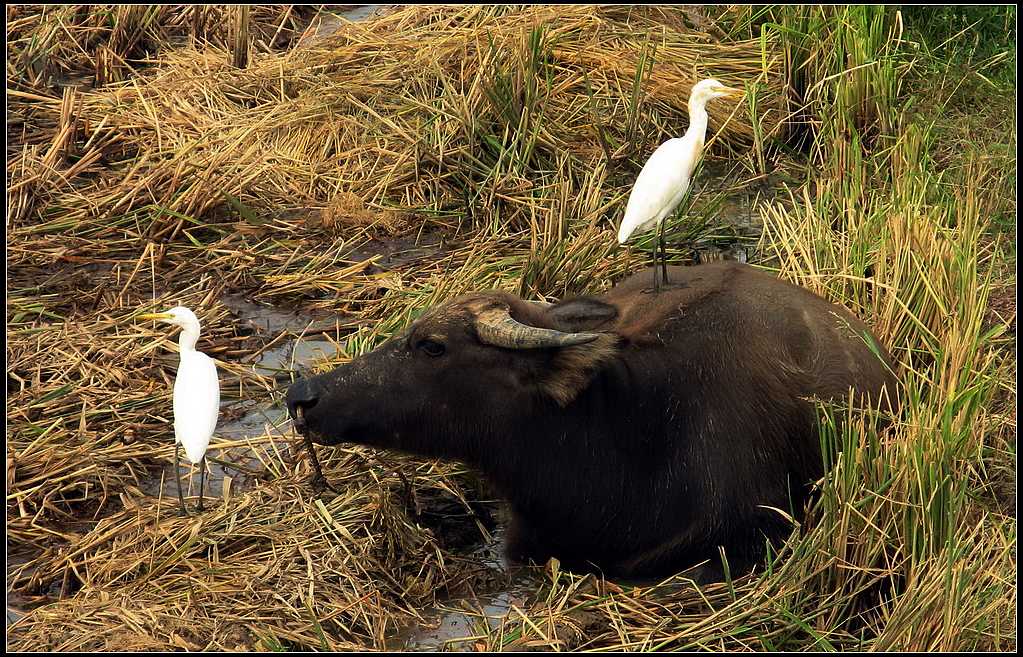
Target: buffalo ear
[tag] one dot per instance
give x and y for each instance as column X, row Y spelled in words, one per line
column 572, row 368
column 582, row 314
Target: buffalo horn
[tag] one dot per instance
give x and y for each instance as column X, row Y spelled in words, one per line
column 496, row 327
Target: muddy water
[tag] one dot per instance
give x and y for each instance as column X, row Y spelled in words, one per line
column 402, row 251
column 330, row 20
column 735, row 226
column 16, row 603
column 454, row 622
column 297, row 340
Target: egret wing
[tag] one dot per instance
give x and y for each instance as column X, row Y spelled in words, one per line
column 196, row 403
column 660, row 186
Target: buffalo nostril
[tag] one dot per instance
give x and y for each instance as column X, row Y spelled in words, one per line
column 301, row 396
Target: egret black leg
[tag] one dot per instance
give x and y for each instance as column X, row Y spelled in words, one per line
column 664, row 255
column 657, row 280
column 202, row 480
column 177, row 477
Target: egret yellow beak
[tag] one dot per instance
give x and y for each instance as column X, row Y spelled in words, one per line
column 731, row 92
column 158, row 316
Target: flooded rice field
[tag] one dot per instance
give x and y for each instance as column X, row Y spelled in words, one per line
column 254, row 442
column 309, row 180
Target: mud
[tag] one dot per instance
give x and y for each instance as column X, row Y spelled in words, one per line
column 455, row 622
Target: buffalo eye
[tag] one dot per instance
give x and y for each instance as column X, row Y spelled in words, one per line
column 431, row 347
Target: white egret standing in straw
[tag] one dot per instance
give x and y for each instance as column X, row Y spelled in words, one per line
column 196, row 396
column 663, row 182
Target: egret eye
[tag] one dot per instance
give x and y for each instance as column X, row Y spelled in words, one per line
column 431, row 347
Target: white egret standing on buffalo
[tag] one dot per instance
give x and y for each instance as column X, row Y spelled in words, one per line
column 196, row 396
column 663, row 182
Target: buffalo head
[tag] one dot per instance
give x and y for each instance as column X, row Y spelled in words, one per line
column 476, row 362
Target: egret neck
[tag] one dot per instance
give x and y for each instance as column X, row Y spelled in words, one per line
column 698, row 118
column 189, row 336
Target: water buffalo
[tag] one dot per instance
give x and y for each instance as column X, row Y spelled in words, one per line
column 633, row 433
